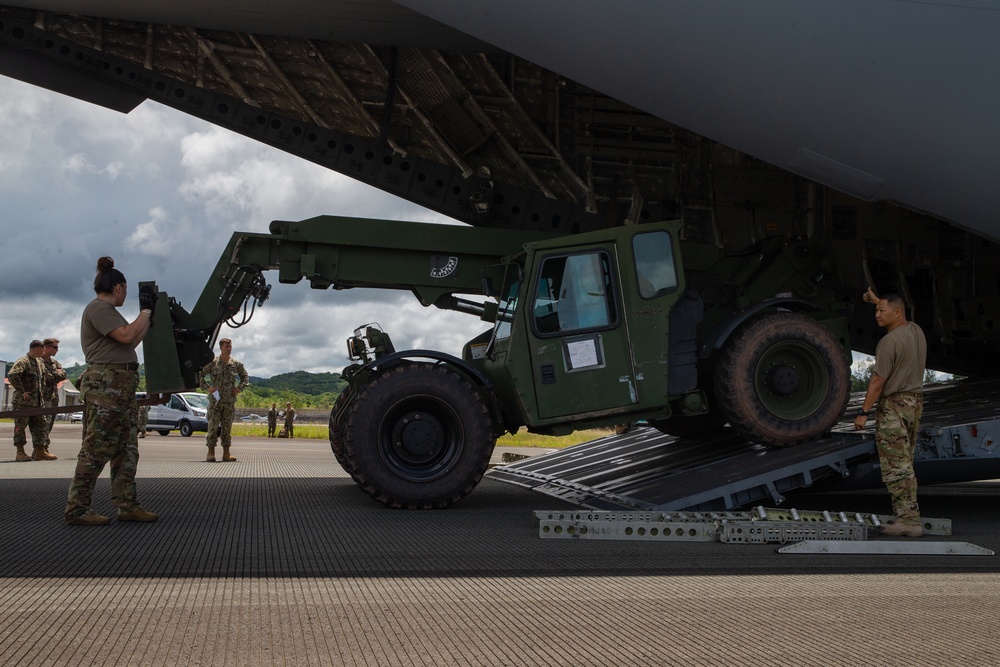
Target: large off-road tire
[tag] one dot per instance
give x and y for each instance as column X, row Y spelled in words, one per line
column 418, row 436
column 783, row 379
column 337, row 429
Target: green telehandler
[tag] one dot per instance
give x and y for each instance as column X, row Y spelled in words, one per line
column 588, row 330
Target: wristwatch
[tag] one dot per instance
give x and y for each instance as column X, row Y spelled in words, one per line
column 861, row 411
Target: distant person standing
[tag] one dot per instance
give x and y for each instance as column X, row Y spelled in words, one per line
column 272, row 420
column 896, row 388
column 289, row 420
column 107, row 388
column 52, row 374
column 143, row 420
column 219, row 378
column 25, row 379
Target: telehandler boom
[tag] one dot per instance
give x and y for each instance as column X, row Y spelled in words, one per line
column 588, row 330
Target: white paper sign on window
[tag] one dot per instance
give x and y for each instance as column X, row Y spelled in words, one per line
column 582, row 353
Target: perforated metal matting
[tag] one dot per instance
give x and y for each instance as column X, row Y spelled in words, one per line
column 279, row 559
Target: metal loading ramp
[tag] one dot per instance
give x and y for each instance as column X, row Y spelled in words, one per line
column 648, row 470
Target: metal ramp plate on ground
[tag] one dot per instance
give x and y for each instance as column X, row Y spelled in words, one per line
column 908, row 548
column 647, row 470
column 762, row 525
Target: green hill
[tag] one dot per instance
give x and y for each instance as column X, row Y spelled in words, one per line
column 302, row 382
column 301, row 388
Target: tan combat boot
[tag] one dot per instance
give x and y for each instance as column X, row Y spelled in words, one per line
column 226, row 456
column 902, row 529
column 21, row 455
column 211, row 455
column 41, row 455
column 88, row 519
column 137, row 514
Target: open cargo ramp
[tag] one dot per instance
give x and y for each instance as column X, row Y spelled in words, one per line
column 645, row 469
column 648, row 470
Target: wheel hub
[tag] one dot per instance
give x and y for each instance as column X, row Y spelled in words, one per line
column 782, row 380
column 417, row 435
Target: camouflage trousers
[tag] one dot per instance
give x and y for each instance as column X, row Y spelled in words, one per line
column 896, row 424
column 220, row 422
column 50, row 420
column 109, row 436
column 35, row 425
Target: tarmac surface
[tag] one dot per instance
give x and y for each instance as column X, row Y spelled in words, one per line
column 279, row 559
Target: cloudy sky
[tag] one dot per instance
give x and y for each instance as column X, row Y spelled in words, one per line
column 162, row 192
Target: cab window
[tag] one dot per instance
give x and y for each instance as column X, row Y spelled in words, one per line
column 506, row 310
column 654, row 264
column 574, row 293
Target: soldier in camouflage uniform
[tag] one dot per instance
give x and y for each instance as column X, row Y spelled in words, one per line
column 25, row 378
column 272, row 420
column 52, row 375
column 143, row 420
column 107, row 388
column 896, row 388
column 289, row 420
column 220, row 375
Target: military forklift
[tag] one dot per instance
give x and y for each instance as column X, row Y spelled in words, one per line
column 586, row 330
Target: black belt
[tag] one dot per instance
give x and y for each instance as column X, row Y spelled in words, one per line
column 131, row 366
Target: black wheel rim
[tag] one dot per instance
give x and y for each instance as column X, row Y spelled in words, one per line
column 792, row 380
column 420, row 438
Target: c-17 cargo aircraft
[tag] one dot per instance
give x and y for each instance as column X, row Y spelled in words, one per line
column 864, row 126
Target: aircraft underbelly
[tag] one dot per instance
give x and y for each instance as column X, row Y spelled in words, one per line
column 883, row 99
column 880, row 99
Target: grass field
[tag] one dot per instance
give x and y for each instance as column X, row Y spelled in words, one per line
column 521, row 439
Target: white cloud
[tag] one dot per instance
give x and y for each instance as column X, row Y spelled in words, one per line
column 79, row 164
column 159, row 235
column 162, row 193
column 211, row 150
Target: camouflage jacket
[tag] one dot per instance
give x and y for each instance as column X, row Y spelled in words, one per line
column 52, row 375
column 217, row 373
column 26, row 378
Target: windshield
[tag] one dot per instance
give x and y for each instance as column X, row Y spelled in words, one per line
column 654, row 264
column 505, row 311
column 197, row 400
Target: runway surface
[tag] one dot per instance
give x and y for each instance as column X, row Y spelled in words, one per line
column 278, row 559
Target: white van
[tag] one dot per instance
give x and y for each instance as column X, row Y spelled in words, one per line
column 185, row 412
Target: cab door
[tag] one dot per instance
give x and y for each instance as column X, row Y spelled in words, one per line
column 577, row 334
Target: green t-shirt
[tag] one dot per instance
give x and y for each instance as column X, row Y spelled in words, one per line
column 900, row 358
column 99, row 319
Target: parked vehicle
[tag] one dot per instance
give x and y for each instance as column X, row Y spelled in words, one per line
column 589, row 330
column 253, row 418
column 76, row 417
column 186, row 412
